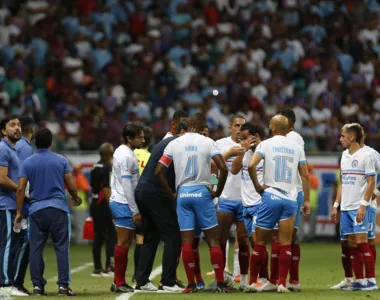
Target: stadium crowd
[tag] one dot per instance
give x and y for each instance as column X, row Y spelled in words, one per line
column 84, row 67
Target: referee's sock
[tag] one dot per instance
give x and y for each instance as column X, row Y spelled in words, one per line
column 136, row 256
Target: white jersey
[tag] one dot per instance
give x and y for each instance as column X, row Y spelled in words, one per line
column 376, row 160
column 232, row 190
column 169, row 134
column 296, row 137
column 354, row 170
column 125, row 169
column 281, row 159
column 249, row 195
column 191, row 154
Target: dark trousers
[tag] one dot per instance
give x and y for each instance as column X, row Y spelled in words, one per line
column 105, row 232
column 22, row 257
column 159, row 223
column 8, row 247
column 42, row 223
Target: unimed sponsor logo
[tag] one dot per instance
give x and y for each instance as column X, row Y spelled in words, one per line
column 191, row 195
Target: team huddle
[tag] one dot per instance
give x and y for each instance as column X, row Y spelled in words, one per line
column 262, row 186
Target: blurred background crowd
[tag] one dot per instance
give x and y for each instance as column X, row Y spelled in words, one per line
column 82, row 68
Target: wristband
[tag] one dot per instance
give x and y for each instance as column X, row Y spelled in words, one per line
column 376, row 192
column 336, row 205
column 364, row 203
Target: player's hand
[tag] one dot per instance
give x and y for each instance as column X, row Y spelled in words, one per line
column 262, row 188
column 334, row 215
column 236, row 150
column 18, row 219
column 360, row 214
column 306, row 209
column 248, row 143
column 137, row 220
column 77, row 201
column 174, row 197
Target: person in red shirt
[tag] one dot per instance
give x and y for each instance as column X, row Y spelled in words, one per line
column 211, row 14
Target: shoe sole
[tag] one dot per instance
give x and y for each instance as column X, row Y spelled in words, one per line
column 97, row 275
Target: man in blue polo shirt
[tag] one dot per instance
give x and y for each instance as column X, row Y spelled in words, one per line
column 9, row 168
column 49, row 212
column 24, row 150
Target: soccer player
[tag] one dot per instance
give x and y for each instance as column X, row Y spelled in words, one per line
column 9, row 168
column 230, row 207
column 251, row 199
column 354, row 196
column 126, row 215
column 100, row 212
column 160, row 222
column 142, row 155
column 283, row 159
column 24, row 150
column 206, row 132
column 177, row 116
column 49, row 212
column 294, row 284
column 191, row 155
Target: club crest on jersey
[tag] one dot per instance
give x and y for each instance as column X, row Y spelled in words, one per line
column 355, row 163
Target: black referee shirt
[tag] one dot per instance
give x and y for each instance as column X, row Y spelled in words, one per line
column 100, row 178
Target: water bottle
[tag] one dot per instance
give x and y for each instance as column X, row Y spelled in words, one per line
column 20, row 226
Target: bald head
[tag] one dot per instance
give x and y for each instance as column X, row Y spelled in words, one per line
column 106, row 151
column 279, row 125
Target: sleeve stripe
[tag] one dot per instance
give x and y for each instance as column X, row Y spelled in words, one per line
column 126, row 176
column 370, row 174
column 302, row 162
column 261, row 154
column 215, row 153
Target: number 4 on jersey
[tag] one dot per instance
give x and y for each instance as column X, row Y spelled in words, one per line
column 191, row 166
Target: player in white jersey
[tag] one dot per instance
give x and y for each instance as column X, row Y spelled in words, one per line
column 125, row 174
column 175, row 121
column 294, row 284
column 191, row 155
column 358, row 175
column 250, row 198
column 230, row 207
column 283, row 159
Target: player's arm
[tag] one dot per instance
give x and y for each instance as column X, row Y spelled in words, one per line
column 223, row 173
column 129, row 169
column 241, row 148
column 5, row 181
column 106, row 183
column 162, row 166
column 256, row 158
column 370, row 175
column 237, row 163
column 304, row 173
column 338, row 200
column 20, row 196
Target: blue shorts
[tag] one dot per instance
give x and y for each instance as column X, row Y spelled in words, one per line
column 274, row 209
column 195, row 206
column 372, row 223
column 122, row 215
column 233, row 207
column 348, row 224
column 250, row 216
column 300, row 201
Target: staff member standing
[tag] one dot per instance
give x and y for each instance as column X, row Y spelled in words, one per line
column 49, row 213
column 100, row 212
column 9, row 168
column 142, row 155
column 24, row 150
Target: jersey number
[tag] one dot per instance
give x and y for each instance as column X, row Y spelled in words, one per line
column 283, row 172
column 191, row 166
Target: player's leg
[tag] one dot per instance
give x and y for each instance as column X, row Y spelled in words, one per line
column 197, row 269
column 226, row 217
column 99, row 230
column 139, row 238
column 22, row 261
column 110, row 239
column 372, row 230
column 296, row 250
column 242, row 242
column 275, row 252
column 124, row 232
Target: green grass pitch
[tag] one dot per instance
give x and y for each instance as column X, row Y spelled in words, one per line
column 320, row 268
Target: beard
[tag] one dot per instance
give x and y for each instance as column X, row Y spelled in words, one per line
column 13, row 138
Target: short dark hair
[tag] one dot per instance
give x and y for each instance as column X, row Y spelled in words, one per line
column 237, row 116
column 43, row 138
column 206, row 126
column 179, row 114
column 131, row 130
column 26, row 122
column 5, row 121
column 356, row 129
column 253, row 129
column 148, row 133
column 182, row 125
column 289, row 113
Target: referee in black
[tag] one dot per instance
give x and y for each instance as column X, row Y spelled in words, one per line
column 160, row 222
column 104, row 228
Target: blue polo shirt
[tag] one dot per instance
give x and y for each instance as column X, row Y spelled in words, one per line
column 24, row 149
column 10, row 160
column 45, row 171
